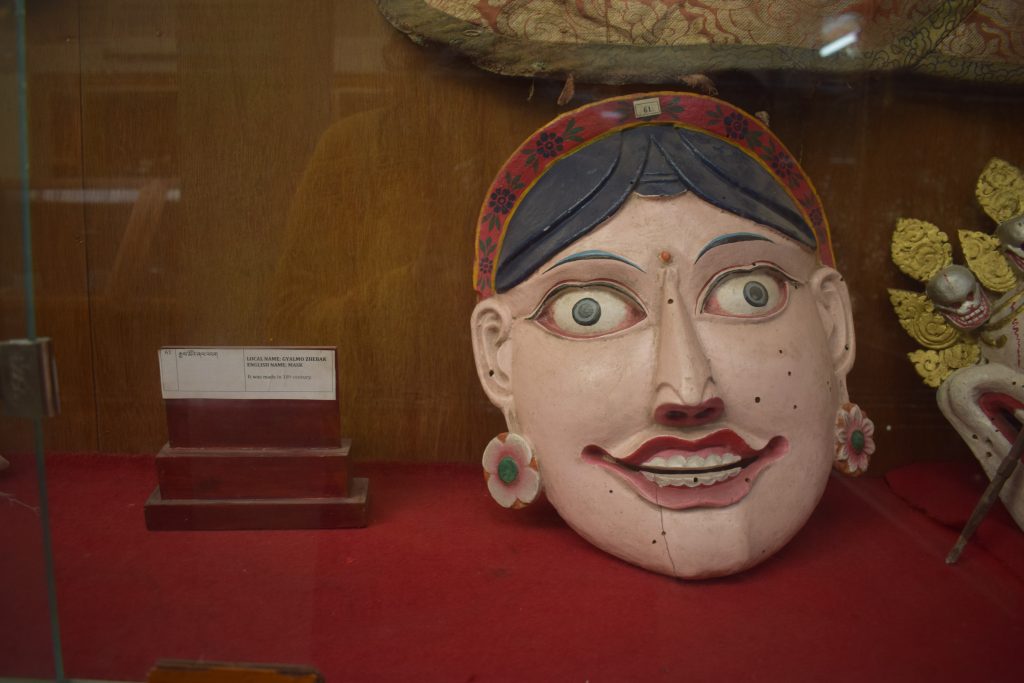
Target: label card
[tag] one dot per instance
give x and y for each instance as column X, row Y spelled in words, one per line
column 234, row 372
column 648, row 107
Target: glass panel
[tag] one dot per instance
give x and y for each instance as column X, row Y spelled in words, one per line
column 259, row 172
column 29, row 641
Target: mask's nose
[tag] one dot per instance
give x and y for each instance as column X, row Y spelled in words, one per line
column 679, row 415
column 684, row 392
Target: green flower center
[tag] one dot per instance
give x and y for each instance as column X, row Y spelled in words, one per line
column 508, row 470
column 857, row 440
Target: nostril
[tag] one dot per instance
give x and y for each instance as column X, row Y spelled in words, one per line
column 680, row 415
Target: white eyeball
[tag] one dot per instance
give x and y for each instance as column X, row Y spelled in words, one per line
column 747, row 294
column 594, row 310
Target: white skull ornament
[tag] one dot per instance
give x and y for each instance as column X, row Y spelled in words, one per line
column 956, row 293
column 1011, row 241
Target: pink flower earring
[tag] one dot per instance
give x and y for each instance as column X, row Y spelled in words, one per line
column 510, row 471
column 854, row 442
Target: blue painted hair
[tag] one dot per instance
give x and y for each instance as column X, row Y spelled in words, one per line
column 580, row 191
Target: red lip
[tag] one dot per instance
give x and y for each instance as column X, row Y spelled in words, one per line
column 1015, row 258
column 1001, row 409
column 719, row 494
column 976, row 318
column 725, row 439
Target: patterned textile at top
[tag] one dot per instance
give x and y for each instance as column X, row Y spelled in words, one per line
column 662, row 40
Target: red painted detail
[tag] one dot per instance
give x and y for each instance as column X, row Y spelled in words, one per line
column 721, row 494
column 1000, row 409
column 578, row 127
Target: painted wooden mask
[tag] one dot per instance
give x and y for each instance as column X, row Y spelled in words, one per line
column 659, row 319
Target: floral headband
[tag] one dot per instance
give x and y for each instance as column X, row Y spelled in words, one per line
column 575, row 129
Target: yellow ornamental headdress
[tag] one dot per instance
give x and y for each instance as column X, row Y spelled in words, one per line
column 953, row 317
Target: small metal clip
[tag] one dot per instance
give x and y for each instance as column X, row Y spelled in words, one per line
column 28, row 378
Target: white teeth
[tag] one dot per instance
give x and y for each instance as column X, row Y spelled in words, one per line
column 692, row 469
column 691, row 480
column 692, row 462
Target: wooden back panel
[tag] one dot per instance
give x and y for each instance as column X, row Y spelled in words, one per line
column 303, row 174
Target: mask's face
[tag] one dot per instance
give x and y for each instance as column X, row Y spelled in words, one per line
column 678, row 372
column 956, row 294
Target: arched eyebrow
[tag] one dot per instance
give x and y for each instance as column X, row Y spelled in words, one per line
column 595, row 254
column 731, row 238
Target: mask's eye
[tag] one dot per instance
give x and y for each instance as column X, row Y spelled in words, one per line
column 593, row 310
column 747, row 294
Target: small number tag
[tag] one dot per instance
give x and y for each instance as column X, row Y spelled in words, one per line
column 648, row 107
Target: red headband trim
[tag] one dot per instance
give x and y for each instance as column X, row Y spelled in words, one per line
column 580, row 127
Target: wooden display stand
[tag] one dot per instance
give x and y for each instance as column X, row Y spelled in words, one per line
column 255, row 464
column 177, row 671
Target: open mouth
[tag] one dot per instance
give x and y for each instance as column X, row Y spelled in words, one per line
column 715, row 471
column 1005, row 412
column 974, row 317
column 1016, row 257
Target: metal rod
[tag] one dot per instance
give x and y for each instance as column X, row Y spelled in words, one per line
column 1006, row 468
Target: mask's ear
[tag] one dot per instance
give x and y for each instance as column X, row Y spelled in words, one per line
column 833, row 301
column 491, row 324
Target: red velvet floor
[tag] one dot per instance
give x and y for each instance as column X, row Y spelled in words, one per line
column 444, row 586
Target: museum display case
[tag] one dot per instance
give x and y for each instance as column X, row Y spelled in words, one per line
column 331, row 189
